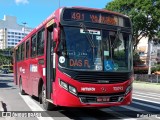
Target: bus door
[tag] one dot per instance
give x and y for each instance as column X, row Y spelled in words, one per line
column 50, row 62
column 15, row 66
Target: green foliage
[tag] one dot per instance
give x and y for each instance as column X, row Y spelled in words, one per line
column 136, row 59
column 144, row 15
column 154, row 69
column 4, row 60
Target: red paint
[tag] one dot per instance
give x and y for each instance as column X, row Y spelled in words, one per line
column 60, row 96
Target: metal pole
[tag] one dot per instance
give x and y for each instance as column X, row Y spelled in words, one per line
column 150, row 58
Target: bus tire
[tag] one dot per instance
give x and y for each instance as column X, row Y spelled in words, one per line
column 46, row 105
column 21, row 88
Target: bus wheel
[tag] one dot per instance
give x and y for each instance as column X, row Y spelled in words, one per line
column 46, row 105
column 21, row 88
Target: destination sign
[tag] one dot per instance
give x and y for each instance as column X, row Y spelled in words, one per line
column 95, row 17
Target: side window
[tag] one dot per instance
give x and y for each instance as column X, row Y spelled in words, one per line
column 19, row 53
column 33, row 46
column 40, row 43
column 22, row 51
column 27, row 49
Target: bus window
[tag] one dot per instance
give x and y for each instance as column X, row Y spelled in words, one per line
column 22, row 51
column 33, row 46
column 40, row 43
column 27, row 49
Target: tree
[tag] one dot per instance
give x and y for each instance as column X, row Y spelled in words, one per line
column 144, row 14
column 6, row 59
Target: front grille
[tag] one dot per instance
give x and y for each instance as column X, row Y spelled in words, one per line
column 88, row 99
column 91, row 100
column 101, row 78
column 96, row 77
column 101, row 94
column 92, row 97
column 114, row 99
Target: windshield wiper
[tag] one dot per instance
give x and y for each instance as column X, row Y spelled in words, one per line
column 89, row 38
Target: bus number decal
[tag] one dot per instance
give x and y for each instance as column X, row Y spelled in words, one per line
column 77, row 16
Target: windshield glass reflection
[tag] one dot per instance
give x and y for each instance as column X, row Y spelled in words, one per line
column 94, row 50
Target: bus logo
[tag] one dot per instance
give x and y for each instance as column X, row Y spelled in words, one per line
column 88, row 89
column 103, row 89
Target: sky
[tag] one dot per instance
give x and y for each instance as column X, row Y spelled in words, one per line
column 33, row 12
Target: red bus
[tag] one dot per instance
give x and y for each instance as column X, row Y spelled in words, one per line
column 78, row 57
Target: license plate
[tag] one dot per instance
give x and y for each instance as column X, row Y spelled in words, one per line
column 103, row 99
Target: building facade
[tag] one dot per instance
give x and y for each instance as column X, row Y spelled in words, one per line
column 11, row 32
column 144, row 48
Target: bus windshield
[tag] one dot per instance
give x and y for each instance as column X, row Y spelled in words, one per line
column 95, row 50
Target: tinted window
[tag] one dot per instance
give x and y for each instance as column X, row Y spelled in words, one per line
column 33, row 46
column 22, row 51
column 27, row 49
column 40, row 43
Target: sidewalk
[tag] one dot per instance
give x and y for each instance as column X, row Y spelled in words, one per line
column 1, row 106
column 146, row 86
column 1, row 109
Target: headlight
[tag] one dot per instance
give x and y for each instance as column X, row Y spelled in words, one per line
column 64, row 84
column 129, row 88
column 72, row 90
column 68, row 87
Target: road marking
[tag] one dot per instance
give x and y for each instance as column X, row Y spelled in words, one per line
column 34, row 106
column 146, row 105
column 129, row 119
column 146, row 100
column 146, row 96
column 146, row 93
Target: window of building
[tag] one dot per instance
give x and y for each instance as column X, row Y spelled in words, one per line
column 40, row 43
column 27, row 49
column 33, row 46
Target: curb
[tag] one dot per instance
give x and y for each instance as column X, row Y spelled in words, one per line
column 1, row 106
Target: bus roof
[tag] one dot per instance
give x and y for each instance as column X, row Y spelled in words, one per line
column 58, row 11
column 99, row 10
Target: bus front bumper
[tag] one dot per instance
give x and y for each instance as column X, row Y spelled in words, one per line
column 66, row 99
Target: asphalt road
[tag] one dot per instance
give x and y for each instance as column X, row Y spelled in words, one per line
column 146, row 105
